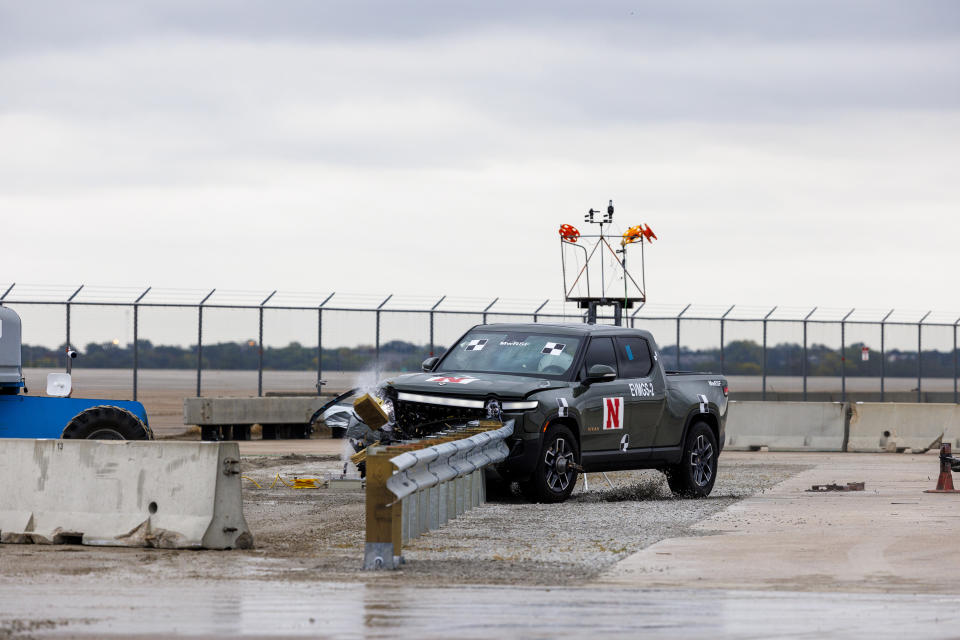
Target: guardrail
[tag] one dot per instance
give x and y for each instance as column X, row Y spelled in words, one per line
column 417, row 487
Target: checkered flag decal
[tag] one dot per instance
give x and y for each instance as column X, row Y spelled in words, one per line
column 625, row 442
column 476, row 345
column 553, row 348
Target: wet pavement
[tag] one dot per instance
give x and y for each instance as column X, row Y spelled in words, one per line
column 274, row 609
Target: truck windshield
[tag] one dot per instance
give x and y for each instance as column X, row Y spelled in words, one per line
column 534, row 354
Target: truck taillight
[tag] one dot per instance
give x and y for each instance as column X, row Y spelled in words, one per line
column 726, row 391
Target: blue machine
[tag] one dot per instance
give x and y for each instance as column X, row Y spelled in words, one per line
column 60, row 416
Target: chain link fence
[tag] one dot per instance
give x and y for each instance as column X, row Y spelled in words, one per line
column 274, row 340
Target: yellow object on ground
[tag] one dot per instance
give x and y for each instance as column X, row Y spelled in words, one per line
column 298, row 483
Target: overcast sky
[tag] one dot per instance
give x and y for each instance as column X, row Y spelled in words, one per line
column 784, row 152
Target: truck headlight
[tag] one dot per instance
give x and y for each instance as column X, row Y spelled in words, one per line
column 524, row 405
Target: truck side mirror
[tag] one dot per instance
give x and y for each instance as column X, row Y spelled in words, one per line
column 600, row 373
column 430, row 363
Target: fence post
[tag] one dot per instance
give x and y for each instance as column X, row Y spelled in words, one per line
column 883, row 354
column 920, row 357
column 69, row 300
column 432, row 311
column 763, row 356
column 200, row 338
column 806, row 318
column 680, row 315
column 488, row 309
column 723, row 321
column 260, row 347
column 320, row 340
column 377, row 351
column 633, row 315
column 538, row 310
column 843, row 356
column 956, row 365
column 136, row 340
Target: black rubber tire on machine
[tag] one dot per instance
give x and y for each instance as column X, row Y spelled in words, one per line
column 696, row 473
column 107, row 423
column 553, row 480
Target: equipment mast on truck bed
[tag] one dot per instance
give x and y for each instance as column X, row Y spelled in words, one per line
column 595, row 247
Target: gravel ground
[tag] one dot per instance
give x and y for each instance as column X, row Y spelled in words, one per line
column 513, row 542
column 318, row 535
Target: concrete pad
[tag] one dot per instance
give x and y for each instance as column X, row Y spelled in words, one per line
column 891, row 538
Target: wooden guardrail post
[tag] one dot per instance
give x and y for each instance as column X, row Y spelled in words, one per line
column 383, row 543
column 416, row 487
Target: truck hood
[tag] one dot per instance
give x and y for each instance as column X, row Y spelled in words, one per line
column 473, row 384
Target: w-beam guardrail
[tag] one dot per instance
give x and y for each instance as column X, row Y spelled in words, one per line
column 417, row 487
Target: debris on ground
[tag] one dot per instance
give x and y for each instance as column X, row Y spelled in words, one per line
column 850, row 486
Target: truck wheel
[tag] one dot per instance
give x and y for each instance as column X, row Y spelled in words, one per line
column 554, row 477
column 694, row 476
column 107, row 423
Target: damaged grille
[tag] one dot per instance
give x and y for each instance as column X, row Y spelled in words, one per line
column 420, row 419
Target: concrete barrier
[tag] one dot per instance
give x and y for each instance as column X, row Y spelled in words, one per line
column 267, row 410
column 786, row 426
column 174, row 495
column 897, row 426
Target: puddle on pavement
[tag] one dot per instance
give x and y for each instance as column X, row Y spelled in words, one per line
column 266, row 608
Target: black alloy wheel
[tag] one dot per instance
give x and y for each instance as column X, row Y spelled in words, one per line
column 556, row 472
column 696, row 473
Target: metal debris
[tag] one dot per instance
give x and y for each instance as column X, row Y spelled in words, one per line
column 850, row 486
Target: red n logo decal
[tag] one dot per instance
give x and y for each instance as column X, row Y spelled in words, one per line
column 612, row 413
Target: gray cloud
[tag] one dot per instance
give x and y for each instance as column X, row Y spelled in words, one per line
column 53, row 24
column 205, row 130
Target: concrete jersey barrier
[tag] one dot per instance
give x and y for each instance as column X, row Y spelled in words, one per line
column 786, row 426
column 175, row 495
column 897, row 426
column 268, row 410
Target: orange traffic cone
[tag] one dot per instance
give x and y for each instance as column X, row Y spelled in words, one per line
column 945, row 481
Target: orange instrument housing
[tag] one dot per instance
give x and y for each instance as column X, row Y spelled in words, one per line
column 569, row 233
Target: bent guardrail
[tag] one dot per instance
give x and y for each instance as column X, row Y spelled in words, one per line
column 417, row 487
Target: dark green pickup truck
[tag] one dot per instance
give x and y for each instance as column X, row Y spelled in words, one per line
column 585, row 398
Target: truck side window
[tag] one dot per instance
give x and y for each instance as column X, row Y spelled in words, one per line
column 601, row 351
column 634, row 357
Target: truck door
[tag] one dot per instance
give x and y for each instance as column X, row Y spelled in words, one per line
column 602, row 405
column 646, row 390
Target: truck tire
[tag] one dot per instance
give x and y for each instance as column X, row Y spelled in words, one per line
column 107, row 423
column 694, row 476
column 554, row 477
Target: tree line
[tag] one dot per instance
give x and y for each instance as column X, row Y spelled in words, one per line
column 741, row 357
column 395, row 355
